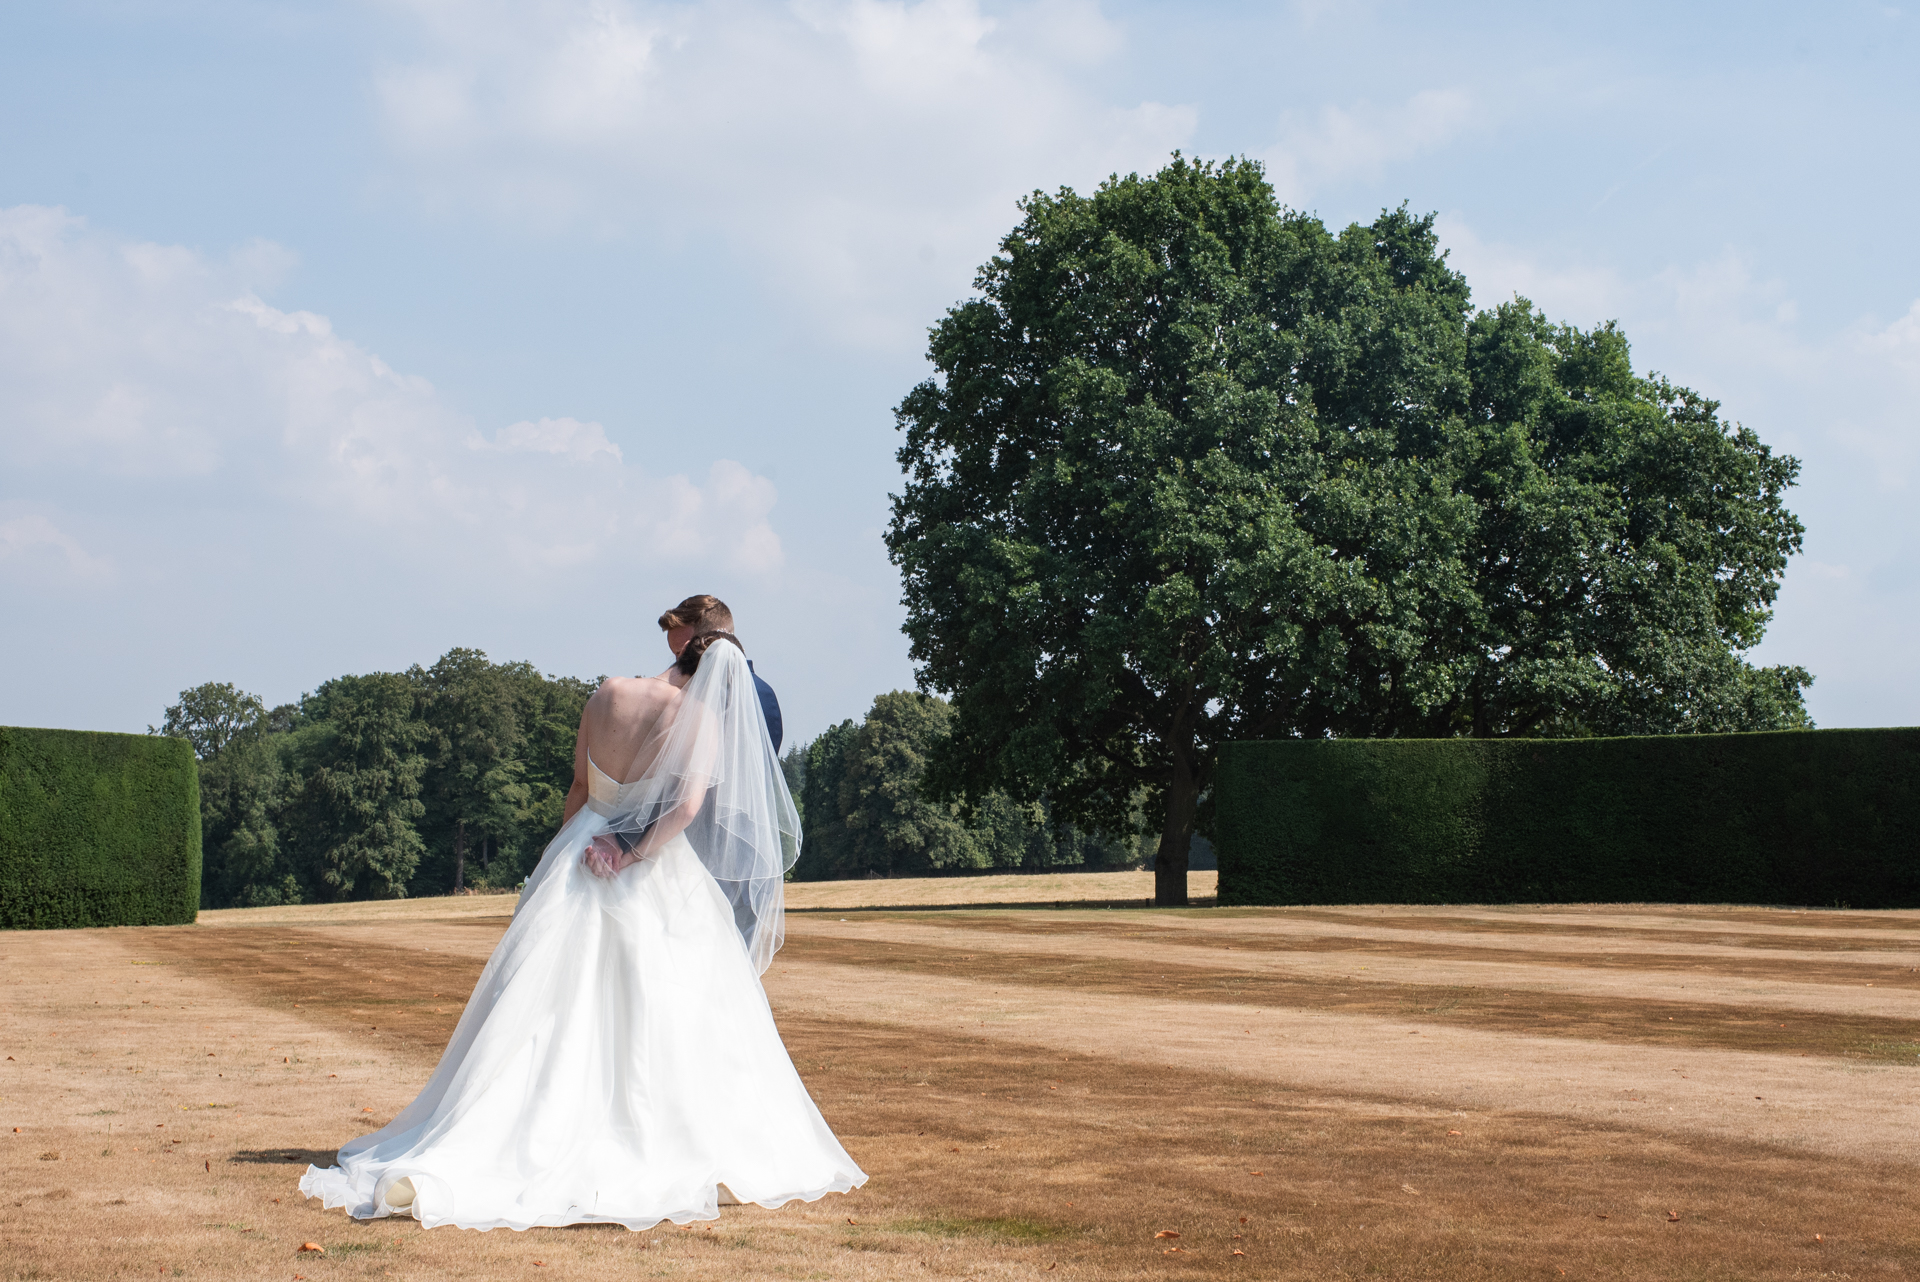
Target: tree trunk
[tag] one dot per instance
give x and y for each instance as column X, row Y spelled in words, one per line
column 459, row 856
column 1176, row 837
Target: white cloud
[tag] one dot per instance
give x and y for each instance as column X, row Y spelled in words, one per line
column 1359, row 142
column 140, row 382
column 567, row 437
column 33, row 542
column 866, row 154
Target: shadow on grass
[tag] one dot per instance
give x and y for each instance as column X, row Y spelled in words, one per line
column 284, row 1157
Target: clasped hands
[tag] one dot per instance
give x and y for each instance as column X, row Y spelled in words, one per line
column 606, row 856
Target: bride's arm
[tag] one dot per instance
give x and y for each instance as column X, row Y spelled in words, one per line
column 577, row 794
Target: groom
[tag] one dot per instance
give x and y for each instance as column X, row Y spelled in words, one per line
column 708, row 613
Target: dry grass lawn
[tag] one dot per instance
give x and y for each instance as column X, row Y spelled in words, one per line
column 1456, row 1093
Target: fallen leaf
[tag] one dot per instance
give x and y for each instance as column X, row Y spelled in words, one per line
column 1818, row 1238
column 1167, row 1233
column 1243, row 1219
column 1673, row 1217
column 1256, row 1172
column 1175, row 1250
column 1239, row 1252
column 1598, row 1216
column 1453, row 1132
column 209, row 1166
column 366, row 1110
column 312, row 1246
column 1051, row 1267
column 1408, row 1188
column 849, row 1219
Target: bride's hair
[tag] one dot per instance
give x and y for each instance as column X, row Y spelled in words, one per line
column 704, row 612
column 689, row 660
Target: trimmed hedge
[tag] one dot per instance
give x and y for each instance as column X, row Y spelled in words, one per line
column 97, row 829
column 1809, row 817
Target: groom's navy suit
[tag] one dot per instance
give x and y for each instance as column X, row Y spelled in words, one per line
column 769, row 706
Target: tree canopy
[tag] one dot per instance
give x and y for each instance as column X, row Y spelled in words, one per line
column 366, row 787
column 1193, row 468
column 865, row 813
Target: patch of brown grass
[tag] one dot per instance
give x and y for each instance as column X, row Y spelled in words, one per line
column 1635, row 1020
column 185, row 1095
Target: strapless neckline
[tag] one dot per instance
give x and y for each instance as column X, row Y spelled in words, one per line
column 605, row 793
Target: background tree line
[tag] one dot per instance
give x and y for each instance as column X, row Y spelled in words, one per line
column 863, row 813
column 383, row 785
column 368, row 787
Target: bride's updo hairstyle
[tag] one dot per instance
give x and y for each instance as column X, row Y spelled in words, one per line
column 689, row 660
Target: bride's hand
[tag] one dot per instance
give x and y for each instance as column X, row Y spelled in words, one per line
column 604, row 857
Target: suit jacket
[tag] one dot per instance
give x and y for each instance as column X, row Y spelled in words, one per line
column 769, row 706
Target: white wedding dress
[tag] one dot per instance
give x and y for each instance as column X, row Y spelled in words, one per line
column 617, row 1063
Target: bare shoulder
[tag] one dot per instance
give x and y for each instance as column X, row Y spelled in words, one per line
column 624, row 696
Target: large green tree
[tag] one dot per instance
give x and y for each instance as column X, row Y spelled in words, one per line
column 354, row 818
column 211, row 716
column 474, row 793
column 1192, row 468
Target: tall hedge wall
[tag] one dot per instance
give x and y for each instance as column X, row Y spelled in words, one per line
column 1810, row 817
column 97, row 829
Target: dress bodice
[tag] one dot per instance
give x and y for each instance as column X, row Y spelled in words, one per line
column 607, row 796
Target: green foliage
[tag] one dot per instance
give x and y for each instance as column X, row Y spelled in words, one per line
column 865, row 813
column 361, row 790
column 352, row 819
column 1194, row 469
column 243, row 793
column 97, row 830
column 210, row 716
column 475, row 784
column 824, row 840
column 1822, row 817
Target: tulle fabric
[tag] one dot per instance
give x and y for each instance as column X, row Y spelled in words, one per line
column 617, row 1062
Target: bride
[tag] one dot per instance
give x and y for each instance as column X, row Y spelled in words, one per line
column 617, row 1061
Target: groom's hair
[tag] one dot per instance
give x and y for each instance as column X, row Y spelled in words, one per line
column 703, row 613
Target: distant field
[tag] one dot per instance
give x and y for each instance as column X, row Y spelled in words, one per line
column 1614, row 1091
column 1133, row 889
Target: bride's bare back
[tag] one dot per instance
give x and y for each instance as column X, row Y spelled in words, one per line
column 622, row 729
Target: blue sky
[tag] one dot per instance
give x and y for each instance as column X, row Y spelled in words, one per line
column 336, row 335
